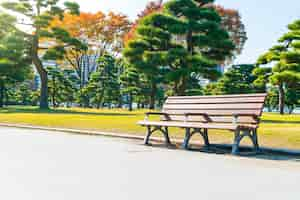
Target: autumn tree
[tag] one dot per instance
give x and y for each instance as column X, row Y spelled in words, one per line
column 102, row 34
column 285, row 58
column 37, row 15
column 232, row 23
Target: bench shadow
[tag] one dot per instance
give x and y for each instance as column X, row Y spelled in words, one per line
column 245, row 151
column 62, row 111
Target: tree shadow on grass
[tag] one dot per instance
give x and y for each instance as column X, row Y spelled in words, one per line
column 60, row 111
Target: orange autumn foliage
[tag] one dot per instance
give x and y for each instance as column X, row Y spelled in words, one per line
column 97, row 29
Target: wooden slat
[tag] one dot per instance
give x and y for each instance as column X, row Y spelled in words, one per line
column 214, row 112
column 194, row 125
column 215, row 119
column 232, row 106
column 219, row 96
column 238, row 100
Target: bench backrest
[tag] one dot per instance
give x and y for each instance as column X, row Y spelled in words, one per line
column 220, row 108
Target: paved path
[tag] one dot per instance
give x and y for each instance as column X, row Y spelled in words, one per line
column 41, row 165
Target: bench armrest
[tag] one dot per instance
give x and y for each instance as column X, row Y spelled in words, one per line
column 206, row 116
column 156, row 113
column 237, row 115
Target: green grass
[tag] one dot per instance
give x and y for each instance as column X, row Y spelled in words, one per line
column 275, row 131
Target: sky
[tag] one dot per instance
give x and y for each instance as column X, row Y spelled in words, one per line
column 265, row 20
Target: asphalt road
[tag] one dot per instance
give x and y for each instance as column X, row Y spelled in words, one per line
column 41, row 165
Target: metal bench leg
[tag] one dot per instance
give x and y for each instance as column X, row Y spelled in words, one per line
column 236, row 143
column 166, row 135
column 187, row 138
column 149, row 133
column 254, row 139
column 252, row 134
column 205, row 137
column 164, row 131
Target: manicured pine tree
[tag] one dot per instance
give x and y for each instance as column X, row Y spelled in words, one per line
column 61, row 88
column 14, row 62
column 185, row 39
column 37, row 15
column 239, row 79
column 130, row 84
column 285, row 57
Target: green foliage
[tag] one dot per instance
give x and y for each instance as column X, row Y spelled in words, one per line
column 61, row 88
column 239, row 79
column 14, row 61
column 130, row 87
column 104, row 84
column 38, row 16
column 184, row 40
column 285, row 73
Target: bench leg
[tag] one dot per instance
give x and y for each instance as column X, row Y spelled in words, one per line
column 163, row 130
column 205, row 137
column 252, row 134
column 254, row 139
column 187, row 138
column 166, row 135
column 236, row 142
column 149, row 133
column 189, row 134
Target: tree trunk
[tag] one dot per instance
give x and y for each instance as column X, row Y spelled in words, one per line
column 1, row 94
column 291, row 109
column 53, row 92
column 130, row 103
column 43, row 74
column 152, row 96
column 182, row 87
column 98, row 104
column 281, row 99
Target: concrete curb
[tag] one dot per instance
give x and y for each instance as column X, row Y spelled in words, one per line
column 139, row 137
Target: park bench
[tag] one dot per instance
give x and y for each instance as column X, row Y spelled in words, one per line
column 239, row 114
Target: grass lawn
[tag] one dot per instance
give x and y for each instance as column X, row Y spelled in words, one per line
column 275, row 131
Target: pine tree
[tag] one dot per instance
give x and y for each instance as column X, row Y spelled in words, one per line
column 285, row 56
column 14, row 61
column 130, row 84
column 186, row 38
column 37, row 15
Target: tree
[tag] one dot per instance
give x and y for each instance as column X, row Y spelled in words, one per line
column 231, row 22
column 23, row 94
column 101, row 33
column 37, row 14
column 61, row 88
column 239, row 79
column 104, row 85
column 14, row 61
column 186, row 38
column 292, row 97
column 130, row 84
column 285, row 58
column 272, row 99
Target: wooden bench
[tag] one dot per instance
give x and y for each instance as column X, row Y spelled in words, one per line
column 196, row 114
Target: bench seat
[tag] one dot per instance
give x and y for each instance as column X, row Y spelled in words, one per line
column 217, row 126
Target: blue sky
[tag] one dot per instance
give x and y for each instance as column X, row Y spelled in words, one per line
column 265, row 20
